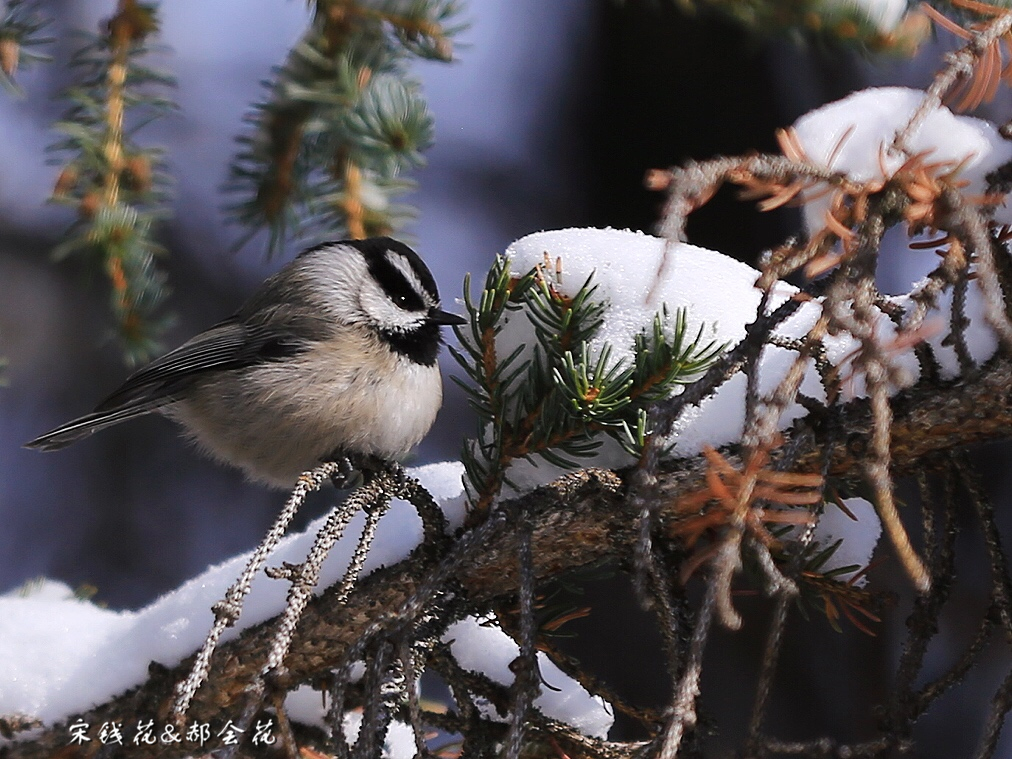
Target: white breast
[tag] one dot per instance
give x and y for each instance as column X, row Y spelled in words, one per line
column 278, row 419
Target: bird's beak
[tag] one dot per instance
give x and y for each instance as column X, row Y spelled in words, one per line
column 439, row 316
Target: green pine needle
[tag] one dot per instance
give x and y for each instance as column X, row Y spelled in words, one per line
column 342, row 124
column 118, row 188
column 21, row 26
column 556, row 400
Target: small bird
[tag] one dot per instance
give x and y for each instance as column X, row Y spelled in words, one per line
column 332, row 357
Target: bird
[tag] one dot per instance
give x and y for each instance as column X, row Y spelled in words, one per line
column 333, row 358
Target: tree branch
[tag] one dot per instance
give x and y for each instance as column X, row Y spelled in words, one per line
column 578, row 520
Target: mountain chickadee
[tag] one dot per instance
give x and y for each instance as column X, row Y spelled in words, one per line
column 334, row 356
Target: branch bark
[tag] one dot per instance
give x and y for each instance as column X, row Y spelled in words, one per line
column 578, row 520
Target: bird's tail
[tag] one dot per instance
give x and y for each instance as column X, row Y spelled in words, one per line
column 73, row 431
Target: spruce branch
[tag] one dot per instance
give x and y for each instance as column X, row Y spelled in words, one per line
column 825, row 589
column 492, row 378
column 118, row 187
column 931, row 417
column 342, row 124
column 228, row 609
column 21, row 25
column 921, row 194
column 553, row 402
column 846, row 25
column 974, row 73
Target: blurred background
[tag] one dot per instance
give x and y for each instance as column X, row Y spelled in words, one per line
column 548, row 118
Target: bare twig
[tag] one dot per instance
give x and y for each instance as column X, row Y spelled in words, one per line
column 959, row 65
column 227, row 611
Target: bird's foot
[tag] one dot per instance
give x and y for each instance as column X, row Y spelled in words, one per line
column 358, row 468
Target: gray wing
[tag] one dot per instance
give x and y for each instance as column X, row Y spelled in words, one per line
column 229, row 345
column 226, row 345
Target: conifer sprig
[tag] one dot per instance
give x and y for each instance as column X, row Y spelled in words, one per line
column 554, row 400
column 21, row 25
column 493, row 379
column 849, row 25
column 827, row 590
column 118, row 187
column 343, row 122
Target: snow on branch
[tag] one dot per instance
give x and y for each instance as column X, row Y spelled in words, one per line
column 642, row 401
column 591, row 504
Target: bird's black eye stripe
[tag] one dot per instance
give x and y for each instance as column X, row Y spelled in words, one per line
column 421, row 345
column 395, row 284
column 375, row 250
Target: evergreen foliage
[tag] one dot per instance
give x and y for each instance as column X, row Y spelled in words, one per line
column 326, row 154
column 552, row 401
column 328, row 148
column 21, row 26
column 117, row 186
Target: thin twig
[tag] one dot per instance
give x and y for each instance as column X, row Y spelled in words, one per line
column 526, row 683
column 683, row 704
column 305, row 577
column 227, row 611
column 958, row 66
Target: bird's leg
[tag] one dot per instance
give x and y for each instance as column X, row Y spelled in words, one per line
column 346, row 475
column 360, row 468
column 372, row 466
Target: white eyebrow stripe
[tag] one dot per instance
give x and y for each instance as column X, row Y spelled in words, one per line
column 402, row 265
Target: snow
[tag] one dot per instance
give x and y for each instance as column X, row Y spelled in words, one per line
column 859, row 533
column 981, row 341
column 480, row 646
column 851, row 135
column 46, row 638
column 399, row 742
column 720, row 297
column 854, row 135
column 307, row 706
column 60, row 656
column 637, row 273
column 626, row 267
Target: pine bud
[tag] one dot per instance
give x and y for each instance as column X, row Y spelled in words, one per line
column 138, row 173
column 132, row 22
column 657, row 180
column 364, row 75
column 444, row 48
column 65, row 182
column 337, row 13
column 10, row 52
column 914, row 29
column 88, row 206
column 119, row 234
